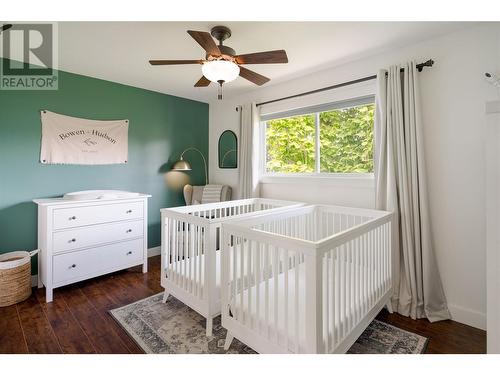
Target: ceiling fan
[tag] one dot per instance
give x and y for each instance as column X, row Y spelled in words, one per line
column 222, row 64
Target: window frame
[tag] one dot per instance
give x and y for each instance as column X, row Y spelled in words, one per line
column 268, row 177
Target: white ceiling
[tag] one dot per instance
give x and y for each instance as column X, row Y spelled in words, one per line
column 119, row 51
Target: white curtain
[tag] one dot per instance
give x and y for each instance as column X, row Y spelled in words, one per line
column 248, row 180
column 401, row 188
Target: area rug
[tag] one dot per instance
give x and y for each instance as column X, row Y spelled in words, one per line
column 174, row 328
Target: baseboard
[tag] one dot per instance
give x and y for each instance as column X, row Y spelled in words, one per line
column 472, row 318
column 152, row 252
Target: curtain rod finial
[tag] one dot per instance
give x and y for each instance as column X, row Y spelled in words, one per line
column 428, row 63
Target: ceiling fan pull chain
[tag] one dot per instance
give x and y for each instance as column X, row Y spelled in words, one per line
column 219, row 90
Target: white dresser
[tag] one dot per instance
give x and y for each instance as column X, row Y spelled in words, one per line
column 81, row 239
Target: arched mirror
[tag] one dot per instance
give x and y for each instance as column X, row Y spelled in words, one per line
column 228, row 150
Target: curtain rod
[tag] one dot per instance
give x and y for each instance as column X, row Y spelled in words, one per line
column 420, row 67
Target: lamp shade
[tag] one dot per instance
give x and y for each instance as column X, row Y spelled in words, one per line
column 181, row 165
column 220, row 70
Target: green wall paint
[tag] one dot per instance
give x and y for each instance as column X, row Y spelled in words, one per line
column 161, row 126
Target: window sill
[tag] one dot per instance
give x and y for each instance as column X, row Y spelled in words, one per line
column 351, row 180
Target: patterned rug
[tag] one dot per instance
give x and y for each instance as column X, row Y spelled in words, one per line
column 174, row 328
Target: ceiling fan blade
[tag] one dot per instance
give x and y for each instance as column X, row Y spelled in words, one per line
column 206, row 41
column 256, row 78
column 269, row 57
column 203, row 82
column 174, row 62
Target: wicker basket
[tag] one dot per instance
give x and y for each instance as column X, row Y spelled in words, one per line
column 15, row 277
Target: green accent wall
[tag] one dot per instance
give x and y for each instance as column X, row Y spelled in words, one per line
column 160, row 128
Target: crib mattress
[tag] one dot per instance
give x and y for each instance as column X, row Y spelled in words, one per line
column 283, row 318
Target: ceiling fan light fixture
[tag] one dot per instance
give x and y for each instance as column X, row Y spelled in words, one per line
column 220, row 70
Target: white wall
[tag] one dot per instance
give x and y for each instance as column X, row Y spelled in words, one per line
column 493, row 232
column 453, row 95
column 493, row 223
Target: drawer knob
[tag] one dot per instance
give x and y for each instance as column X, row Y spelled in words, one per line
column 129, row 211
column 73, row 266
column 72, row 218
column 129, row 253
column 73, row 240
column 129, row 230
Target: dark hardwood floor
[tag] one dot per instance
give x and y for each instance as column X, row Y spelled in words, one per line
column 77, row 321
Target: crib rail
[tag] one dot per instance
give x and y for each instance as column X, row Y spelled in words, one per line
column 355, row 275
column 185, row 260
column 304, row 280
column 220, row 211
column 190, row 237
column 254, row 276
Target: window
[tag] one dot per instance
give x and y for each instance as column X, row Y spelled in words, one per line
column 334, row 138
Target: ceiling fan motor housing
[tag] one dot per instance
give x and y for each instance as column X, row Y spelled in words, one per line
column 221, row 33
column 227, row 53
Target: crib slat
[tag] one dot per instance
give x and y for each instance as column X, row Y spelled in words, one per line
column 372, row 261
column 275, row 291
column 297, row 318
column 333, row 262
column 266, row 299
column 370, row 269
column 168, row 248
column 375, row 262
column 285, row 291
column 192, row 258
column 381, row 260
column 343, row 288
column 182, row 263
column 188, row 260
column 249, row 285
column 173, row 229
column 258, row 278
column 379, row 248
column 241, row 280
column 196, row 235
column 325, row 296
column 360, row 276
column 356, row 277
column 176, row 252
column 366, row 274
column 387, row 248
column 349, row 287
column 233, row 253
column 384, row 257
column 373, row 235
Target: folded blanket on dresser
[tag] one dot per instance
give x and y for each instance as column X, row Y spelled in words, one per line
column 211, row 194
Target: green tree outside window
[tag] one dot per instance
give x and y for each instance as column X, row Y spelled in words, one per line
column 345, row 135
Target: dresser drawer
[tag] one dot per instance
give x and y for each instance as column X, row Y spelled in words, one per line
column 77, row 238
column 84, row 264
column 78, row 216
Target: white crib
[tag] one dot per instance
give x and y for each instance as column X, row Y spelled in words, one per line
column 189, row 242
column 305, row 280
